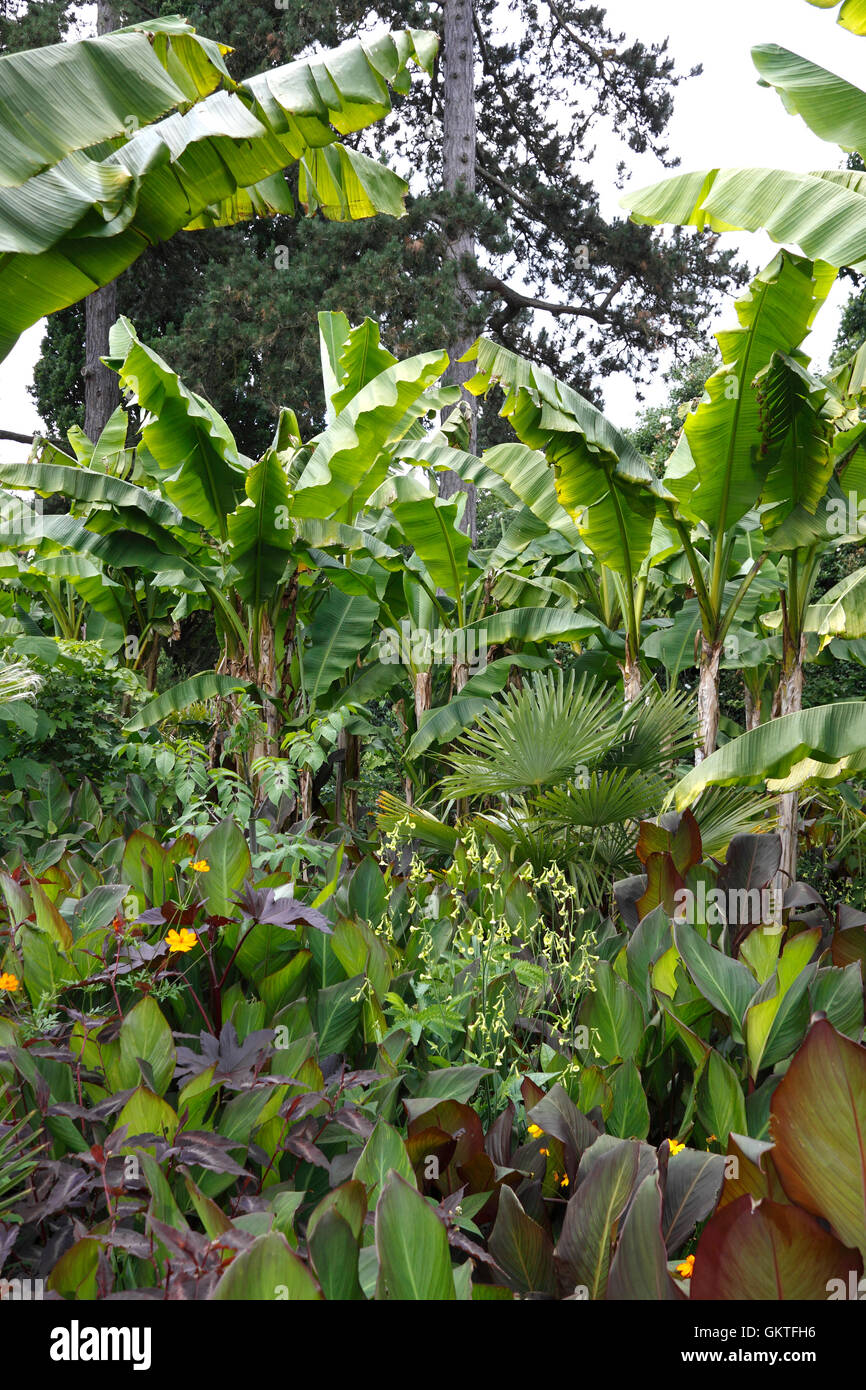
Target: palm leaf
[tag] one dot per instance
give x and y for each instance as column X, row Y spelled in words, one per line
column 534, row 737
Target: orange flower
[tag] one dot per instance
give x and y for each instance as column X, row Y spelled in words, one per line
column 9, row 982
column 182, row 940
column 687, row 1268
column 201, row 866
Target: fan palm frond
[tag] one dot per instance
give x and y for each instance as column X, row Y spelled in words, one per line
column 534, row 737
column 612, row 796
column 656, row 731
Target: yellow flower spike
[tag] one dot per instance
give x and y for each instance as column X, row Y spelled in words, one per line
column 9, row 982
column 181, row 941
column 675, row 1147
column 201, row 866
column 687, row 1268
column 535, row 1131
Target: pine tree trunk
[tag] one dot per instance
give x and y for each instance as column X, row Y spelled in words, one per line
column 101, row 386
column 458, row 171
column 708, row 699
column 790, row 701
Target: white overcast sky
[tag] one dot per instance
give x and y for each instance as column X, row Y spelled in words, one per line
column 721, row 118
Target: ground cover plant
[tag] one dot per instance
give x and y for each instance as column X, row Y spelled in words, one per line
column 393, row 908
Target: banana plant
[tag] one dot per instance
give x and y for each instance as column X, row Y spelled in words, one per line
column 600, row 487
column 742, row 446
column 141, row 133
column 822, row 212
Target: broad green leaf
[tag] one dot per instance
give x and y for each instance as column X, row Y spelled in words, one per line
column 340, row 631
column 83, row 217
column 227, row 853
column 146, row 1033
column 269, row 1270
column 629, row 1117
column 613, row 1014
column 412, row 1245
column 724, row 982
column 383, row 1151
column 430, row 527
column 720, row 1102
column 205, row 686
column 822, row 213
column 260, row 533
column 812, row 745
column 334, row 1255
column 146, row 1113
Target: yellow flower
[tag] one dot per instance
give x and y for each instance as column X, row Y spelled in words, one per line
column 563, row 1182
column 201, row 866
column 535, row 1131
column 675, row 1147
column 182, row 940
column 9, row 982
column 687, row 1268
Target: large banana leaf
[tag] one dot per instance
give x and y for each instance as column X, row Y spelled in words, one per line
column 95, row 88
column 833, row 108
column 82, row 218
column 260, row 532
column 841, row 611
column 200, row 468
column 801, row 414
column 350, row 358
column 430, row 527
column 601, row 480
column 819, row 744
column 824, row 213
column 729, row 436
column 86, row 485
column 529, row 625
column 352, row 455
column 341, row 628
column 529, row 476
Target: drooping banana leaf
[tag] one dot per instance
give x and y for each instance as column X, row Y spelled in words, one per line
column 601, row 480
column 72, row 220
column 825, row 743
column 342, row 627
column 205, row 686
column 726, row 454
